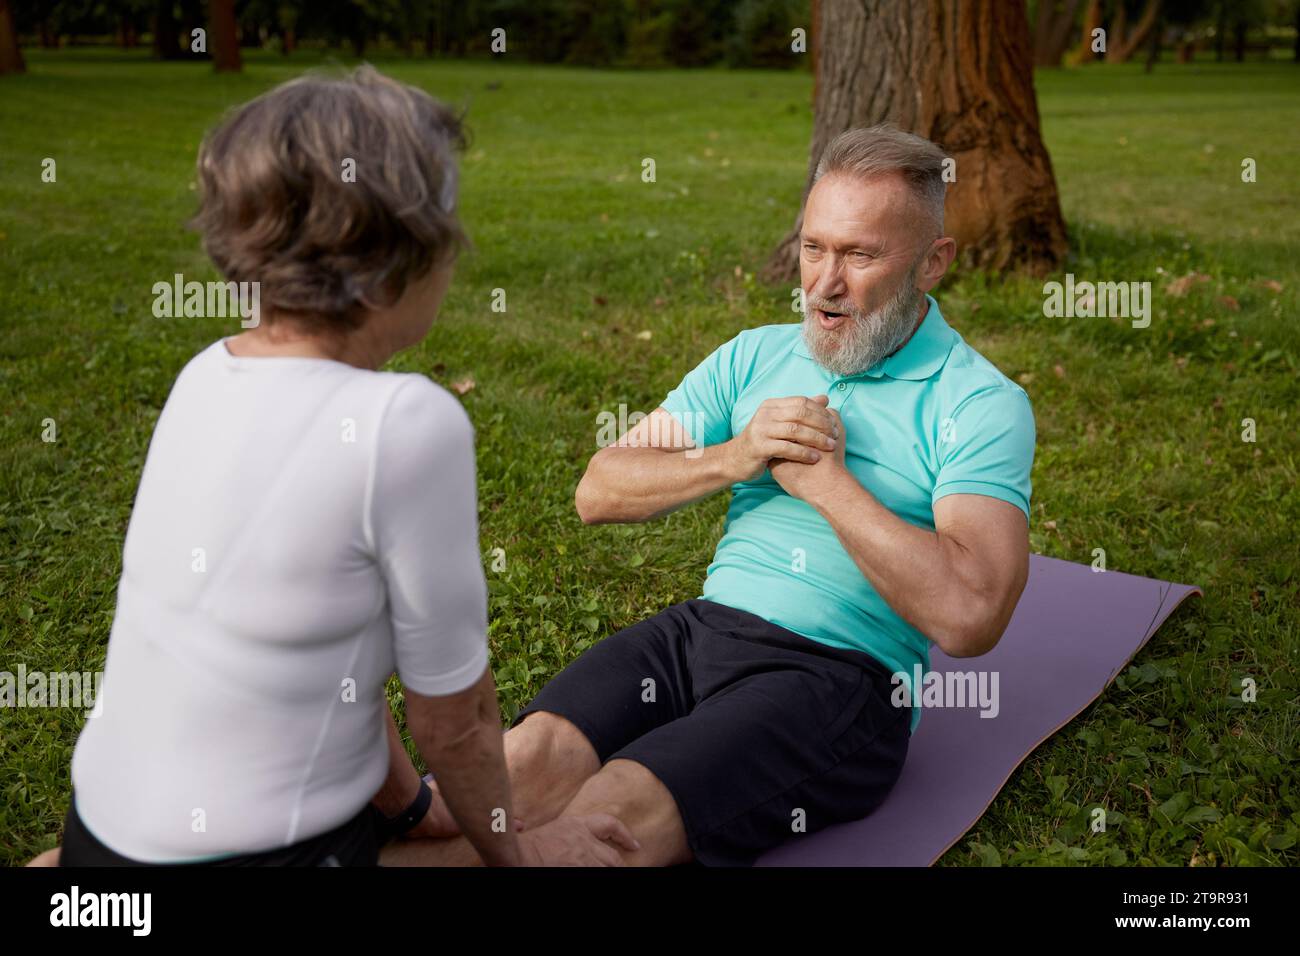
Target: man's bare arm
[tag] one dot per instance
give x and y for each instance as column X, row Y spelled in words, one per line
column 957, row 585
column 655, row 468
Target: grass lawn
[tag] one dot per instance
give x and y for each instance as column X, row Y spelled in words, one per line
column 615, row 288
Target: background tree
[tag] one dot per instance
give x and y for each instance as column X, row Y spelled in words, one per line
column 1125, row 36
column 11, row 57
column 960, row 74
column 224, row 36
column 1054, row 25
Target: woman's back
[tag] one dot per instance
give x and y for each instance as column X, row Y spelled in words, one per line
column 255, row 624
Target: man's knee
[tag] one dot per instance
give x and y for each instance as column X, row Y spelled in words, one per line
column 548, row 759
column 543, row 738
column 631, row 792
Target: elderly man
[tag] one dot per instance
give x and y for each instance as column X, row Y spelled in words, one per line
column 879, row 469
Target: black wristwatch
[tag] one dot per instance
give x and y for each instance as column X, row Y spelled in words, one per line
column 404, row 822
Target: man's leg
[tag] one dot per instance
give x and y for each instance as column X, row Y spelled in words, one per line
column 591, row 709
column 627, row 790
column 548, row 759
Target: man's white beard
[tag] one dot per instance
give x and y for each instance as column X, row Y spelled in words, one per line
column 867, row 337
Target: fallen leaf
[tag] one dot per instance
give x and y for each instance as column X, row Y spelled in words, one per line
column 464, row 386
column 1181, row 286
column 1049, row 525
column 1271, row 284
column 1228, row 302
column 1059, row 370
column 598, row 299
column 644, row 335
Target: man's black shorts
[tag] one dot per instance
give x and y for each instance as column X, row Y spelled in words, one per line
column 760, row 734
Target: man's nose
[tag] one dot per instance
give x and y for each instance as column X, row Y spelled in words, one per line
column 829, row 283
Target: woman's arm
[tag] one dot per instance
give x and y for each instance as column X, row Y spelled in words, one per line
column 399, row 790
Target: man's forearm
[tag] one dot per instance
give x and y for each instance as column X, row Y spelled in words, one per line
column 919, row 573
column 625, row 484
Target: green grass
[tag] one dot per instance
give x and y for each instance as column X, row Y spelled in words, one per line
column 1139, row 449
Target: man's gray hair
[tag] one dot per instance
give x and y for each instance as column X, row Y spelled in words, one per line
column 870, row 151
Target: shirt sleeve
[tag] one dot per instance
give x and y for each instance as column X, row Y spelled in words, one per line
column 424, row 525
column 702, row 403
column 986, row 447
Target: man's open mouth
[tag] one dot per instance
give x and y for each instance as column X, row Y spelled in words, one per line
column 829, row 319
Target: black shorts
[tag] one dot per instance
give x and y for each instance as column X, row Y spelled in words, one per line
column 354, row 843
column 760, row 734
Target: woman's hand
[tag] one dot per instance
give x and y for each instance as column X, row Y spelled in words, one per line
column 577, row 841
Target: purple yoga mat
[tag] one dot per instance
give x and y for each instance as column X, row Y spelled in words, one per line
column 1074, row 630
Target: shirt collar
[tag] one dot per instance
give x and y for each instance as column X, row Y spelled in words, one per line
column 919, row 358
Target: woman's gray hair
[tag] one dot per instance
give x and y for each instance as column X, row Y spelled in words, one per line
column 277, row 207
column 865, row 152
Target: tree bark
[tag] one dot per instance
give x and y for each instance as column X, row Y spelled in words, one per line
column 1091, row 21
column 225, row 37
column 961, row 75
column 1153, row 54
column 1122, row 43
column 1052, row 31
column 166, row 36
column 11, row 57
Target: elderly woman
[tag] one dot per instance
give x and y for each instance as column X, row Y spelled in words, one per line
column 305, row 525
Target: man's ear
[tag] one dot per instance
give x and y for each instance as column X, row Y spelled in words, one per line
column 937, row 260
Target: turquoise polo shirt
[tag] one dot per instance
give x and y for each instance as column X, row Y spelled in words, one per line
column 935, row 418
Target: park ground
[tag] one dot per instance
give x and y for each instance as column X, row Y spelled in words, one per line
column 616, row 287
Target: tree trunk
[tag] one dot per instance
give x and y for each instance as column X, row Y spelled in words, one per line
column 286, row 40
column 1091, row 21
column 1122, row 43
column 225, row 36
column 1153, row 52
column 1220, row 31
column 1239, row 47
column 166, row 38
column 1296, row 53
column 960, row 74
column 1052, row 31
column 814, row 43
column 11, row 57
